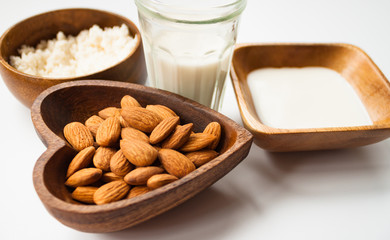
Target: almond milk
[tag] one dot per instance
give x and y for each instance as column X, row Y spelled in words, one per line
column 198, row 73
column 309, row 97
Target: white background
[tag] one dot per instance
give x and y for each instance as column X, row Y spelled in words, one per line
column 341, row 194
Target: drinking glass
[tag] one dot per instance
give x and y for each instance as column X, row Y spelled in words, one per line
column 188, row 45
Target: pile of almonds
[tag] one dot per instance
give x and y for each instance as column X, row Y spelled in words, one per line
column 128, row 151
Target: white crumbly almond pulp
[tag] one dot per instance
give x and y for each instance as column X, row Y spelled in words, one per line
column 90, row 51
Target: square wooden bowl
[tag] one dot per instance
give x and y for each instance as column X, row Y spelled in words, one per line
column 351, row 62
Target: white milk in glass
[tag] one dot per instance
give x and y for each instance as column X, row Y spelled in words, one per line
column 309, row 97
column 190, row 66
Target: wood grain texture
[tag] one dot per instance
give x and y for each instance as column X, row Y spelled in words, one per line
column 45, row 26
column 76, row 101
column 351, row 62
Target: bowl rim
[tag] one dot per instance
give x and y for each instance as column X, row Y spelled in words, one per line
column 253, row 124
column 137, row 38
column 54, row 143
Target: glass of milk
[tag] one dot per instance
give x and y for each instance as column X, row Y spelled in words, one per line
column 188, row 45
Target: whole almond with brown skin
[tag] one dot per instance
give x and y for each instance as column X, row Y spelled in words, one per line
column 213, row 128
column 110, row 176
column 83, row 177
column 141, row 118
column 129, row 101
column 84, row 194
column 109, row 112
column 163, row 129
column 201, row 157
column 111, row 192
column 138, row 190
column 160, row 180
column 132, row 133
column 162, row 111
column 81, row 160
column 93, row 124
column 197, row 141
column 78, row 135
column 179, row 137
column 108, row 132
column 102, row 158
column 123, row 122
column 175, row 163
column 157, row 148
column 139, row 153
column 140, row 175
column 119, row 164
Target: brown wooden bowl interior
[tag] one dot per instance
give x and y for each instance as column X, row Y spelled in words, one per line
column 351, row 62
column 70, row 21
column 75, row 101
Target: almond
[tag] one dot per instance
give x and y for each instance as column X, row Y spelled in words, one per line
column 214, row 129
column 162, row 111
column 138, row 190
column 197, row 141
column 93, row 124
column 140, row 175
column 141, row 118
column 81, row 160
column 132, row 133
column 84, row 194
column 201, row 157
column 175, row 163
column 103, row 157
column 123, row 122
column 163, row 129
column 178, row 137
column 138, row 153
column 109, row 112
column 142, row 135
column 110, row 176
column 78, row 135
column 108, row 132
column 129, row 101
column 157, row 148
column 160, row 180
column 84, row 177
column 119, row 164
column 111, row 192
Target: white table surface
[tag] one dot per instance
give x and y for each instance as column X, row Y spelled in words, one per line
column 341, row 194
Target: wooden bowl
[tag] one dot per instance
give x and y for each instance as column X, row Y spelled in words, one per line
column 76, row 101
column 45, row 26
column 351, row 62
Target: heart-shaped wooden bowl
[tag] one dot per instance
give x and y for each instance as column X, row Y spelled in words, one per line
column 45, row 26
column 351, row 62
column 76, row 101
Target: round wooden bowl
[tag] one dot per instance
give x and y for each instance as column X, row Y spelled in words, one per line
column 45, row 26
column 76, row 101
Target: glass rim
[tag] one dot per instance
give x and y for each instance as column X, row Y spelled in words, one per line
column 163, row 10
